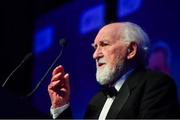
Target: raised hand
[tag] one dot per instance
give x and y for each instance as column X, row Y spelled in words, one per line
column 59, row 89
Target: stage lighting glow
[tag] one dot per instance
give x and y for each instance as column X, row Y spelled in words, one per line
column 43, row 39
column 126, row 7
column 92, row 19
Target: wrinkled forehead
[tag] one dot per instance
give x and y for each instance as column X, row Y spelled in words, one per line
column 109, row 32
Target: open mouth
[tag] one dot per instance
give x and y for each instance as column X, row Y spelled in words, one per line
column 101, row 64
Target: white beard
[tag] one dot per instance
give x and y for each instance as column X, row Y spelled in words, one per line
column 107, row 75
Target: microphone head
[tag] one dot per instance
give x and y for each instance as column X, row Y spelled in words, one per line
column 63, row 42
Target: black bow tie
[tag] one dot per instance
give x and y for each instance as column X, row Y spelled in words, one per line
column 109, row 91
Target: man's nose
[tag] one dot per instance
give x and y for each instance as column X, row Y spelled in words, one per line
column 97, row 53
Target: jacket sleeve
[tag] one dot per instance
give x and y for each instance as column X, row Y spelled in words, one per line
column 160, row 98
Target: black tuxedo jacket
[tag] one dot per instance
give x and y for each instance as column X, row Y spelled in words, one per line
column 144, row 94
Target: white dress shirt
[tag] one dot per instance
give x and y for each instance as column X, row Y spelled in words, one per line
column 110, row 100
column 56, row 112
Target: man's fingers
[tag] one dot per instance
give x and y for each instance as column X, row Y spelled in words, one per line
column 54, row 84
column 66, row 80
column 56, row 77
column 57, row 70
column 66, row 76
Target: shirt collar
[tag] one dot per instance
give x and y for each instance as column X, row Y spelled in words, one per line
column 121, row 80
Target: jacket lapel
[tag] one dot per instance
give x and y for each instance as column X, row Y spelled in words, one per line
column 126, row 90
column 119, row 102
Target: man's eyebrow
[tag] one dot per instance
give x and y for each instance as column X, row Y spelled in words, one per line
column 101, row 41
column 105, row 40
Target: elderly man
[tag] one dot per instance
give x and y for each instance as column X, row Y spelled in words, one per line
column 130, row 91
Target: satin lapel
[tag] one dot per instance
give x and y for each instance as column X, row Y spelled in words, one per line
column 119, row 102
column 100, row 101
column 127, row 89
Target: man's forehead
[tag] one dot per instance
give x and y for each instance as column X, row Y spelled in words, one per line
column 108, row 32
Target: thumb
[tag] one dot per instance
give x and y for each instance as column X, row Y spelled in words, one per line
column 66, row 77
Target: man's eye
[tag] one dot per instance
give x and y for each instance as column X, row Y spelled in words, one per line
column 104, row 44
column 94, row 46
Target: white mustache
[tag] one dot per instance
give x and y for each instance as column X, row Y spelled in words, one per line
column 100, row 61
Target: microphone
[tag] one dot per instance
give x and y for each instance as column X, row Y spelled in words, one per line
column 63, row 44
column 21, row 63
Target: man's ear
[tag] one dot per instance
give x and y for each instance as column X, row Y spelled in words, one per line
column 132, row 50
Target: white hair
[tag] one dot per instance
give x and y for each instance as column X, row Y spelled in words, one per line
column 134, row 33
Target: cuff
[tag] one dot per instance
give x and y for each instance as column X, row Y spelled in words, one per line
column 55, row 112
